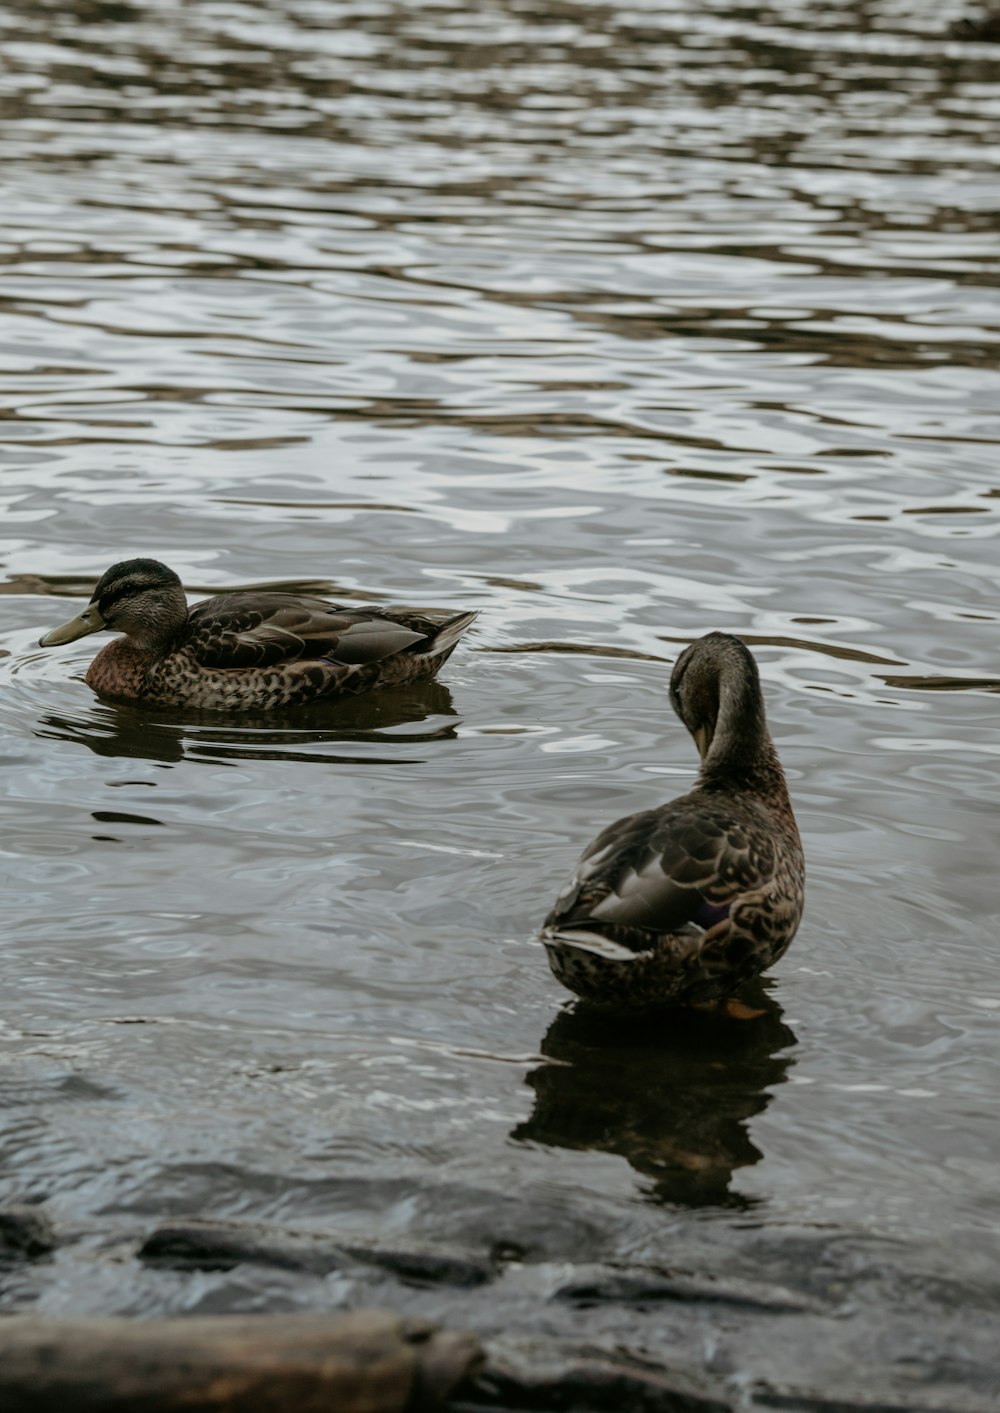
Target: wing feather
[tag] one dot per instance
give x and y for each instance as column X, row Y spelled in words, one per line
column 266, row 630
column 661, row 871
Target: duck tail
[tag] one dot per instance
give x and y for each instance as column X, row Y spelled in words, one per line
column 441, row 644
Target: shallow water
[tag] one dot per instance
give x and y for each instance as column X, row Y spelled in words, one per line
column 619, row 324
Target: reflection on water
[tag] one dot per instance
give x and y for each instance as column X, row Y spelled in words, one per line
column 672, row 1094
column 116, row 729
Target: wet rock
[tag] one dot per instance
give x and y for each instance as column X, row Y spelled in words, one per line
column 544, row 1379
column 425, row 1267
column 641, row 1288
column 219, row 1246
column 596, row 1383
column 25, row 1234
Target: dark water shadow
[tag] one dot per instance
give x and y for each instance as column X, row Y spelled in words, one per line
column 379, row 718
column 670, row 1093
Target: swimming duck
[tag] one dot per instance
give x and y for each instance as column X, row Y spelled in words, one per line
column 680, row 905
column 247, row 651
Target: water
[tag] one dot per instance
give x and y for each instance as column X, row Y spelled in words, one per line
column 619, row 324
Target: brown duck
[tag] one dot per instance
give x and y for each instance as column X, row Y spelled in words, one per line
column 683, row 904
column 249, row 651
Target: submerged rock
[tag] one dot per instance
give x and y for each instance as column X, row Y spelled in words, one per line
column 977, row 27
column 25, row 1233
column 544, row 1377
column 425, row 1267
column 650, row 1288
column 219, row 1246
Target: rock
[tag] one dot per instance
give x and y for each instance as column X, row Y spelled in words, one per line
column 25, row 1233
column 547, row 1379
column 426, row 1267
column 651, row 1288
column 353, row 1363
column 219, row 1246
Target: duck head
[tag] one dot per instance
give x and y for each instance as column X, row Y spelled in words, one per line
column 138, row 597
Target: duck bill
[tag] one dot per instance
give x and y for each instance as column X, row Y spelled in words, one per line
column 703, row 740
column 89, row 621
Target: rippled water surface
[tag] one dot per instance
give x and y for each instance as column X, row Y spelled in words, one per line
column 618, row 323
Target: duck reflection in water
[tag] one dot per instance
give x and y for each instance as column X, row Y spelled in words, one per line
column 303, row 733
column 672, row 1093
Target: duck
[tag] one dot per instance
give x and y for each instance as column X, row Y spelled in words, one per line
column 683, row 904
column 247, row 651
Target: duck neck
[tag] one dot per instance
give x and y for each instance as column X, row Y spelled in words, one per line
column 740, row 746
column 153, row 643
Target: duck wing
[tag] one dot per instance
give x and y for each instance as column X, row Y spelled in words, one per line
column 265, row 630
column 658, row 872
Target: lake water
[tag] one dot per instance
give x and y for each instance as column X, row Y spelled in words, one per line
column 619, row 323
